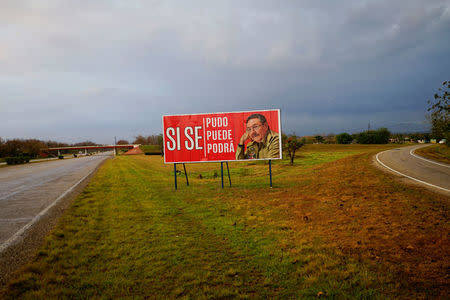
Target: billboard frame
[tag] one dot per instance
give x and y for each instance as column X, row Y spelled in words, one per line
column 229, row 160
column 222, row 161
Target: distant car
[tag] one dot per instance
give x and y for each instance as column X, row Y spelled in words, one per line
column 443, row 141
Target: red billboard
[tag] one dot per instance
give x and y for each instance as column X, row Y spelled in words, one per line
column 222, row 136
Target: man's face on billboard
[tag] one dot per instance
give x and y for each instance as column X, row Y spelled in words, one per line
column 256, row 130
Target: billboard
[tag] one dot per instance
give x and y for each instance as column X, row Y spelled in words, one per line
column 219, row 137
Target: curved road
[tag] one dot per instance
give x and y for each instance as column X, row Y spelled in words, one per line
column 28, row 191
column 403, row 161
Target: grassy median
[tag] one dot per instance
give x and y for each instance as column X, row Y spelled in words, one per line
column 437, row 152
column 333, row 225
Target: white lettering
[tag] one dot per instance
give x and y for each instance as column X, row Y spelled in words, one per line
column 170, row 131
column 198, row 138
column 189, row 146
column 178, row 138
column 217, row 122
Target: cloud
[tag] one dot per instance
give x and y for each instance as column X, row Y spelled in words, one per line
column 128, row 62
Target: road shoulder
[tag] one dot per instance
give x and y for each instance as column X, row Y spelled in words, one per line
column 22, row 251
column 408, row 180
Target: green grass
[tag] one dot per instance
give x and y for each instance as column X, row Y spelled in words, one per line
column 129, row 234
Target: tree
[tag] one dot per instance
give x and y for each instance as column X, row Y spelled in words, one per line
column 440, row 113
column 379, row 136
column 161, row 143
column 319, row 139
column 344, row 138
column 85, row 143
column 140, row 140
column 122, row 142
column 292, row 144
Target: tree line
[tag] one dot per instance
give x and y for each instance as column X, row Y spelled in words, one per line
column 144, row 140
column 32, row 147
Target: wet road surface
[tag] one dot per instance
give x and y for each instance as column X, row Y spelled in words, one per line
column 435, row 175
column 28, row 190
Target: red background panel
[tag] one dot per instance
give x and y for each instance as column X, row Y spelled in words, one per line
column 208, row 149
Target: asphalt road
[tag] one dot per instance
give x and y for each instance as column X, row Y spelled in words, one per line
column 27, row 191
column 431, row 174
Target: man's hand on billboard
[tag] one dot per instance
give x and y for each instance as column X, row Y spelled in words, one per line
column 244, row 137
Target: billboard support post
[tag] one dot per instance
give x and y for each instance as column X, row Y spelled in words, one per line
column 229, row 178
column 185, row 173
column 175, row 174
column 221, row 171
column 270, row 172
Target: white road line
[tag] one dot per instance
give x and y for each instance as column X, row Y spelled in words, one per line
column 17, row 235
column 428, row 160
column 418, row 180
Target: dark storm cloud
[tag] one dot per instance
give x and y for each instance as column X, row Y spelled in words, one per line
column 92, row 70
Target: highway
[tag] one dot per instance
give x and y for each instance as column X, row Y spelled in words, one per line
column 28, row 191
column 404, row 162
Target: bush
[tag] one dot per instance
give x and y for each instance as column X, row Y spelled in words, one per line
column 379, row 136
column 153, row 153
column 16, row 160
column 344, row 138
column 61, row 157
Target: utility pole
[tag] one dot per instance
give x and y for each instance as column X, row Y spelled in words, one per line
column 115, row 146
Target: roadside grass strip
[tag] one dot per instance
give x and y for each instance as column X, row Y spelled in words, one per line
column 332, row 226
column 435, row 152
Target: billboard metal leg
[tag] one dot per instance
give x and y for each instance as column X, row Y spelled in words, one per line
column 221, row 171
column 175, row 174
column 185, row 173
column 229, row 178
column 270, row 172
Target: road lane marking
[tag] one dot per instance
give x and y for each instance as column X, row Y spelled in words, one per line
column 418, row 180
column 18, row 234
column 428, row 160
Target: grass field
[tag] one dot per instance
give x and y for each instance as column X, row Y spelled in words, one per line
column 333, row 226
column 437, row 152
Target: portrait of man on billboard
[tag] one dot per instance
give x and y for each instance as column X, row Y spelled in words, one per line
column 263, row 142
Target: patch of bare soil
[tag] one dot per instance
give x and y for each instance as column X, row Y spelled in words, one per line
column 372, row 216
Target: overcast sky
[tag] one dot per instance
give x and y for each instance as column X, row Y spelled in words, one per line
column 91, row 70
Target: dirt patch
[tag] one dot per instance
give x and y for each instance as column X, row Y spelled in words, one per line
column 372, row 216
column 22, row 252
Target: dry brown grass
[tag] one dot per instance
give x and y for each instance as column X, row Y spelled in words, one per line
column 437, row 152
column 374, row 217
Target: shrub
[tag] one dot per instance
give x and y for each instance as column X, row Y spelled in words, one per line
column 15, row 160
column 61, row 157
column 153, row 153
column 379, row 136
column 344, row 138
